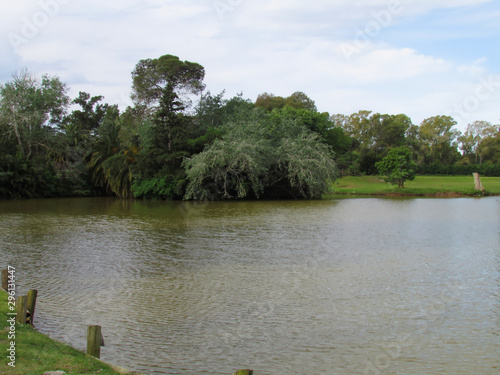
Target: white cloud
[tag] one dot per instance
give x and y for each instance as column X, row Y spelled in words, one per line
column 276, row 45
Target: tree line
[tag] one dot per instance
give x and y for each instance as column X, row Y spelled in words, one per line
column 179, row 141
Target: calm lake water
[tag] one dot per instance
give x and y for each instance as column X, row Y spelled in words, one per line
column 350, row 286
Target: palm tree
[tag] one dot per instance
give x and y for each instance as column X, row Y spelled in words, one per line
column 111, row 161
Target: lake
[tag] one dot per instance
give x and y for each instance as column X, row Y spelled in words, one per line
column 348, row 286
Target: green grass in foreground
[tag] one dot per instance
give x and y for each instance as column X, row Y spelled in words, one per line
column 37, row 353
column 422, row 185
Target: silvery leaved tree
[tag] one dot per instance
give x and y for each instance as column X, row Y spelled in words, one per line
column 30, row 108
column 257, row 157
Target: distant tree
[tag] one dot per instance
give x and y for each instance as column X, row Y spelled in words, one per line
column 270, row 101
column 238, row 109
column 490, row 148
column 356, row 125
column 413, row 141
column 375, row 135
column 473, row 141
column 77, row 132
column 300, row 100
column 389, row 131
column 209, row 111
column 162, row 89
column 166, row 78
column 29, row 109
column 30, row 112
column 297, row 100
column 319, row 123
column 91, row 114
column 439, row 139
column 158, row 85
column 111, row 158
column 398, row 166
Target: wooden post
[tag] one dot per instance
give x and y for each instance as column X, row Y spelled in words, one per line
column 5, row 279
column 94, row 341
column 21, row 305
column 244, row 372
column 477, row 182
column 32, row 294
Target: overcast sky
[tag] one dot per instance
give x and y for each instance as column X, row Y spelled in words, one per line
column 418, row 57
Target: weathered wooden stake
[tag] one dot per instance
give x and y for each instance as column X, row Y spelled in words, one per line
column 5, row 279
column 94, row 341
column 244, row 372
column 477, row 182
column 21, row 305
column 32, row 294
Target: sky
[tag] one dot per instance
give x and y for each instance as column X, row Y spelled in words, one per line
column 421, row 58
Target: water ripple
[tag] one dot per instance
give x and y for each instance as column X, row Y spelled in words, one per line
column 335, row 287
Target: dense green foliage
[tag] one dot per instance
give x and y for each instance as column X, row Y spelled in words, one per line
column 178, row 141
column 262, row 156
column 434, row 145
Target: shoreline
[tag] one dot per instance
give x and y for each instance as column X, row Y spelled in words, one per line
column 69, row 359
column 450, row 194
column 426, row 186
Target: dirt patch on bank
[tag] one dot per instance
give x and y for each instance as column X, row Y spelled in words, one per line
column 449, row 194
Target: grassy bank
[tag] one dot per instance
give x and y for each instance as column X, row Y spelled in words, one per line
column 37, row 353
column 421, row 186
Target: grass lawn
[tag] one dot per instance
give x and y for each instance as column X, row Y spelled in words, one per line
column 37, row 353
column 422, row 185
